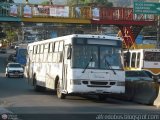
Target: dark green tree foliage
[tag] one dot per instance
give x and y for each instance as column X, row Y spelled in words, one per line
column 2, row 34
column 88, row 2
column 104, row 3
column 10, row 1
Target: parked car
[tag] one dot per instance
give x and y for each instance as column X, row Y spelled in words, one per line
column 14, row 70
column 3, row 50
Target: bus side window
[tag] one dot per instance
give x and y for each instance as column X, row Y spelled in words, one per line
column 138, row 60
column 60, row 52
column 69, row 50
column 133, row 60
column 127, row 59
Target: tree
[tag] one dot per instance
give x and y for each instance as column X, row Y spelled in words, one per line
column 10, row 1
column 2, row 34
column 10, row 31
column 103, row 3
column 87, row 2
column 45, row 3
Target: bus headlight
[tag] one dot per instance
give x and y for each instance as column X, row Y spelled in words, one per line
column 120, row 83
column 75, row 82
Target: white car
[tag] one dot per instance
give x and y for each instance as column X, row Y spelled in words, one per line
column 14, row 70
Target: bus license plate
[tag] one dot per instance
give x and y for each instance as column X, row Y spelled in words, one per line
column 99, row 91
column 16, row 73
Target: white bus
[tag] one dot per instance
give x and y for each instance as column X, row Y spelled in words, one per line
column 75, row 64
column 143, row 59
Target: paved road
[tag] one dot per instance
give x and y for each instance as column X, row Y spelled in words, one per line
column 19, row 98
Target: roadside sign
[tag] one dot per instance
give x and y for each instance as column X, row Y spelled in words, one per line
column 146, row 8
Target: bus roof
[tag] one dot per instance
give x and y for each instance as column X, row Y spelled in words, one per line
column 151, row 50
column 78, row 36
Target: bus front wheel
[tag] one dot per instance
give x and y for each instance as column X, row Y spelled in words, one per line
column 60, row 95
column 37, row 87
column 102, row 97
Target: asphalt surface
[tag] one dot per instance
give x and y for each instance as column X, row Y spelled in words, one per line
column 18, row 101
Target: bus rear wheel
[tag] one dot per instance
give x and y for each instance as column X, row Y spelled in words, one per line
column 60, row 95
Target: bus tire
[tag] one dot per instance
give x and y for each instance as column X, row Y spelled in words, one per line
column 60, row 95
column 22, row 76
column 8, row 75
column 101, row 97
column 37, row 87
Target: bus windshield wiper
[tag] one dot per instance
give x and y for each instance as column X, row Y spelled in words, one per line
column 87, row 64
column 110, row 67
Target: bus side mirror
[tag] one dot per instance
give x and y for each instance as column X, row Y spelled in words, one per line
column 69, row 51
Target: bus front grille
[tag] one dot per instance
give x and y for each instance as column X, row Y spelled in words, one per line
column 98, row 83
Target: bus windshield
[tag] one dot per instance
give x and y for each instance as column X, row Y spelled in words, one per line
column 98, row 56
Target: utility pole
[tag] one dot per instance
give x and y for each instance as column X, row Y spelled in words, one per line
column 158, row 31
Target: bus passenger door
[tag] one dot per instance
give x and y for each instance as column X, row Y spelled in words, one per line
column 65, row 67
